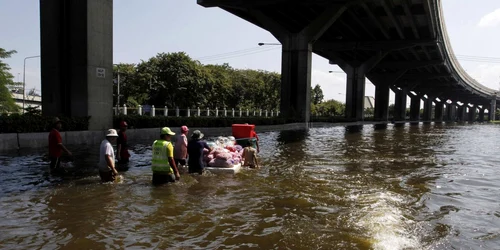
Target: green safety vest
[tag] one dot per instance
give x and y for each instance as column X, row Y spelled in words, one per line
column 159, row 162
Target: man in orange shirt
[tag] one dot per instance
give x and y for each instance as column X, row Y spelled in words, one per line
column 56, row 147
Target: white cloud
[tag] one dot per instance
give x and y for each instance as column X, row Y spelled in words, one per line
column 487, row 74
column 490, row 20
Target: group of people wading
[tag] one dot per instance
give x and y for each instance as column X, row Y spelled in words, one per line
column 166, row 159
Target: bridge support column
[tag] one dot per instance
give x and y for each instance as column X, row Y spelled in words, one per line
column 493, row 109
column 438, row 112
column 461, row 112
column 296, row 78
column 472, row 114
column 400, row 104
column 415, row 109
column 481, row 115
column 381, row 112
column 77, row 59
column 427, row 110
column 453, row 112
column 355, row 90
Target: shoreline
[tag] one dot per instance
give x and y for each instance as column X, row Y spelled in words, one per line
column 19, row 141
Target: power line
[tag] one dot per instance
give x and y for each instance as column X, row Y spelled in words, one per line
column 238, row 55
column 236, row 52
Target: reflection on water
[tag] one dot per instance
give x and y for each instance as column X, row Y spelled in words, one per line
column 403, row 187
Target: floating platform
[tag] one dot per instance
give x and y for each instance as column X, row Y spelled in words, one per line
column 216, row 170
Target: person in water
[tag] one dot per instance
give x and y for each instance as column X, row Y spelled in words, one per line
column 249, row 156
column 195, row 152
column 162, row 163
column 121, row 144
column 180, row 149
column 56, row 146
column 107, row 169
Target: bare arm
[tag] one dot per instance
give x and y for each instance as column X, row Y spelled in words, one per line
column 256, row 160
column 111, row 163
column 118, row 151
column 176, row 171
column 65, row 149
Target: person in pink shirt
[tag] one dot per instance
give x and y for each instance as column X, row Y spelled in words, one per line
column 180, row 149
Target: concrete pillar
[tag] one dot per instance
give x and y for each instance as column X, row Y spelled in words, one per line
column 472, row 114
column 481, row 115
column 438, row 113
column 427, row 116
column 77, row 59
column 415, row 109
column 400, row 104
column 381, row 112
column 493, row 109
column 355, row 89
column 296, row 62
column 461, row 112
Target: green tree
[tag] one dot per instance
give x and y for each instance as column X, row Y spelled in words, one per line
column 317, row 95
column 7, row 103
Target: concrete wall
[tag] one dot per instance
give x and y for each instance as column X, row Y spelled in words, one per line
column 14, row 141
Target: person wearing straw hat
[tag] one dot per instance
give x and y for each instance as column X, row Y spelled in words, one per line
column 162, row 162
column 107, row 170
column 56, row 146
column 195, row 152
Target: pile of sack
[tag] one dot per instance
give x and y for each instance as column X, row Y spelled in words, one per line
column 224, row 153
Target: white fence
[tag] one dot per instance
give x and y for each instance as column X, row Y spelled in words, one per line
column 197, row 112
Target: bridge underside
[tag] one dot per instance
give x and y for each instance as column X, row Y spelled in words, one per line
column 398, row 45
column 77, row 58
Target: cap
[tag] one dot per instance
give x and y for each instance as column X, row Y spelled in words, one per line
column 166, row 131
column 123, row 124
column 184, row 129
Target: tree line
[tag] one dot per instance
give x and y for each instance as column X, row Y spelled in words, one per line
column 176, row 80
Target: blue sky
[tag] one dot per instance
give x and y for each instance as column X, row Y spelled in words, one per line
column 146, row 27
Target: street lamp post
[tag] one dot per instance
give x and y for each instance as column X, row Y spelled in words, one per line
column 261, row 44
column 24, row 79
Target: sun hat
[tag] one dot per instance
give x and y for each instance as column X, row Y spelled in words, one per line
column 111, row 133
column 184, row 129
column 123, row 124
column 166, row 131
column 197, row 134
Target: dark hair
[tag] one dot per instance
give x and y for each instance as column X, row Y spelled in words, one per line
column 248, row 143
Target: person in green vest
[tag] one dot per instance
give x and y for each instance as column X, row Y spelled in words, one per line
column 162, row 163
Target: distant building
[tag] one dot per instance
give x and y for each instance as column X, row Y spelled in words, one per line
column 369, row 102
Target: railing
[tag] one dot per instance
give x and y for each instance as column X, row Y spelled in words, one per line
column 196, row 112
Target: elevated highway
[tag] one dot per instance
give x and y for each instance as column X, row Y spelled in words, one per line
column 399, row 45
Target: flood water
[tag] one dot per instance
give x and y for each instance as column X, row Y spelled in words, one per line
column 412, row 187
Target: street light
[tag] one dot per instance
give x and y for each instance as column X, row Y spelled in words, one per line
column 261, row 44
column 24, row 79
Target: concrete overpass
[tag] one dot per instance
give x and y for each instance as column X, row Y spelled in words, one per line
column 400, row 45
column 30, row 101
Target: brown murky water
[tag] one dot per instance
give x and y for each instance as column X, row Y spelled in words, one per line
column 412, row 187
